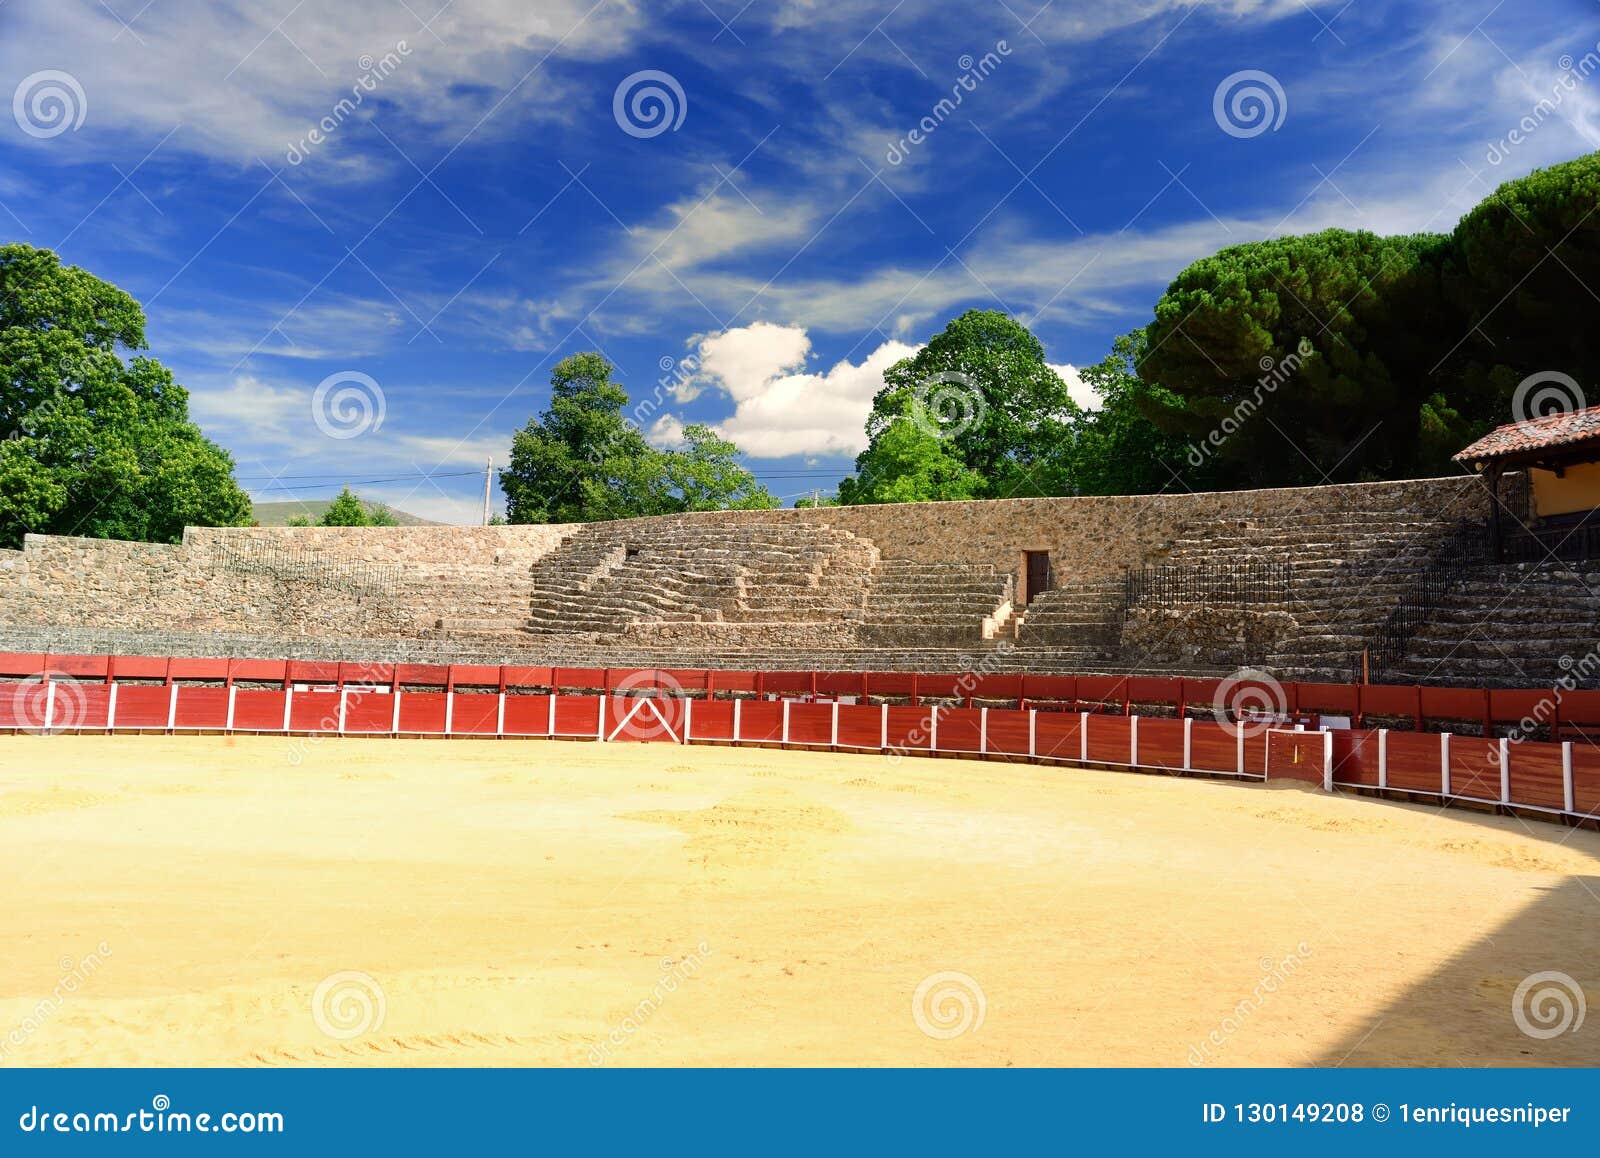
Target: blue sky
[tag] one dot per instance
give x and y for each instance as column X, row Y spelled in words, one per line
column 485, row 209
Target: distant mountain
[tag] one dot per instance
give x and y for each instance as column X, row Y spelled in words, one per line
column 279, row 514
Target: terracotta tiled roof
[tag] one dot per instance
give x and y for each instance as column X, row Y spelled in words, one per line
column 1552, row 430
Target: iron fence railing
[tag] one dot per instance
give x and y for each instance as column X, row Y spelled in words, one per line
column 1237, row 583
column 307, row 565
column 1464, row 550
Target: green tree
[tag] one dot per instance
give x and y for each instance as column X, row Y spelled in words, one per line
column 982, row 391
column 349, row 509
column 582, row 460
column 1117, row 448
column 1304, row 358
column 90, row 443
column 1522, row 270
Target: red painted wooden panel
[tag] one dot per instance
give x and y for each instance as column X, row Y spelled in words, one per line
column 260, row 670
column 760, row 721
column 527, row 716
column 143, row 706
column 839, row 683
column 945, row 685
column 202, row 708
column 254, row 710
column 711, row 720
column 368, row 711
column 860, row 726
column 889, row 683
column 421, row 712
column 21, row 663
column 314, row 712
column 78, row 705
column 688, row 679
column 909, row 728
column 810, row 723
column 960, row 729
column 1580, row 707
column 1586, row 778
column 366, row 673
column 1153, row 690
column 999, row 687
column 1008, row 732
column 1475, row 767
column 1160, row 743
column 1388, row 700
column 643, row 719
column 1212, row 747
column 475, row 675
column 309, row 671
column 139, row 667
column 1414, row 761
column 1050, row 687
column 22, row 704
column 1328, row 699
column 1255, row 751
column 1355, row 757
column 1110, row 739
column 1453, row 703
column 581, row 679
column 475, row 713
column 1057, row 734
column 1293, row 756
column 528, row 677
column 423, row 675
column 578, row 715
column 199, row 669
column 1512, row 707
column 1536, row 774
column 735, row 681
column 1102, row 689
column 788, row 683
column 83, row 667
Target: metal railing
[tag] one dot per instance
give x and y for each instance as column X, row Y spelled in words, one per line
column 1239, row 583
column 307, row 565
column 1570, row 543
column 1465, row 550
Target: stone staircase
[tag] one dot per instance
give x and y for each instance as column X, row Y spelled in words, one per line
column 1511, row 626
column 935, row 605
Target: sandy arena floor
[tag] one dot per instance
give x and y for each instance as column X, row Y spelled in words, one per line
column 181, row 900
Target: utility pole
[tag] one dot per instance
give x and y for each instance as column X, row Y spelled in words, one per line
column 488, row 474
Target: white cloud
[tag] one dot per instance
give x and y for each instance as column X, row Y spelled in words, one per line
column 779, row 412
column 665, row 433
column 1082, row 393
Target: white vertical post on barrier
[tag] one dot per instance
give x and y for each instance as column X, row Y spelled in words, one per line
column 600, row 728
column 1083, row 737
column 835, row 723
column 449, row 709
column 394, row 722
column 1566, row 777
column 933, row 731
column 344, row 693
column 288, row 701
column 1444, row 762
column 1188, row 743
column 49, row 702
column 233, row 694
column 1133, row 741
column 111, row 711
column 785, row 721
column 551, row 730
column 1327, row 761
column 1033, row 733
column 983, row 731
column 688, row 718
column 737, row 704
column 1238, row 747
column 1383, row 757
column 1505, row 770
column 883, row 732
column 172, row 707
column 500, row 716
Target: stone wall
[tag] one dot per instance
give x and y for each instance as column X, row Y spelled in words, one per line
column 396, row 582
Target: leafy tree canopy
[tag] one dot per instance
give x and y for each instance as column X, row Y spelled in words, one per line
column 349, row 509
column 976, row 413
column 584, row 460
column 91, row 444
